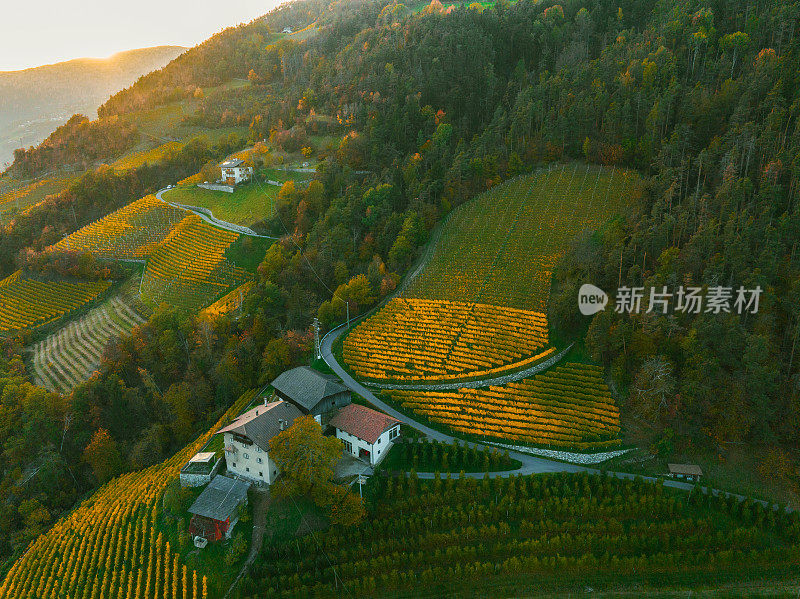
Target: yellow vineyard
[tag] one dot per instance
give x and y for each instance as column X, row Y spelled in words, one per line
column 109, row 546
column 189, row 268
column 27, row 302
column 412, row 339
column 478, row 308
column 567, row 406
column 131, row 232
column 229, row 302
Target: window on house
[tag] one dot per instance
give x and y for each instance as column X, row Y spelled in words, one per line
column 259, row 460
column 261, row 474
column 234, row 464
column 247, row 456
column 379, row 440
column 247, row 469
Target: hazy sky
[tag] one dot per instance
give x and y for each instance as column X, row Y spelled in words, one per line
column 47, row 31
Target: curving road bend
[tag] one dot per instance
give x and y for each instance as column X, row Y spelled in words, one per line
column 530, row 464
column 206, row 215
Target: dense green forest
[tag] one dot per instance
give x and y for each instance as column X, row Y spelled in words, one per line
column 427, row 109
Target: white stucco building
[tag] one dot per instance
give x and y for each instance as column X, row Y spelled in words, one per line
column 247, row 440
column 234, row 171
column 367, row 434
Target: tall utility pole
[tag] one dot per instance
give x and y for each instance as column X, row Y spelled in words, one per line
column 316, row 339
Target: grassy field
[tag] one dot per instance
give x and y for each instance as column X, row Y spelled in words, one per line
column 165, row 123
column 248, row 204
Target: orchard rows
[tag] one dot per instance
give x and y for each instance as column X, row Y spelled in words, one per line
column 68, row 357
column 565, row 529
column 28, row 302
column 132, row 232
column 229, row 302
column 478, row 311
column 412, row 339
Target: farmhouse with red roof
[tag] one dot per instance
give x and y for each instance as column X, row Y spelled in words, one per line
column 366, row 433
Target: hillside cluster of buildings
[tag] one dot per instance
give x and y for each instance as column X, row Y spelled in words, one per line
column 366, row 434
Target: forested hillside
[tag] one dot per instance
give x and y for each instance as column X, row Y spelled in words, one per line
column 33, row 100
column 424, row 111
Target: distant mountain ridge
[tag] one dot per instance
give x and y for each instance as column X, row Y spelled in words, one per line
column 34, row 101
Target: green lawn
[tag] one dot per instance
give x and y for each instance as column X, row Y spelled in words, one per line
column 248, row 252
column 248, row 204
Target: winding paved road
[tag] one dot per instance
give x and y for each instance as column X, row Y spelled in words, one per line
column 530, row 464
column 208, row 216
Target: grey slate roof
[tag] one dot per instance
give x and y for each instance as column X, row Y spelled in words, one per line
column 231, row 163
column 220, row 498
column 262, row 423
column 307, row 387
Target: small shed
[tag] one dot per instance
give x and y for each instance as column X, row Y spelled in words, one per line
column 311, row 391
column 216, row 511
column 200, row 469
column 691, row 472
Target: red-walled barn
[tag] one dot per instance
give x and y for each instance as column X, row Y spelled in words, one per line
column 216, row 511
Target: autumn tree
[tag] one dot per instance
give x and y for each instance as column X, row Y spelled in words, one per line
column 306, row 458
column 346, row 508
column 103, row 455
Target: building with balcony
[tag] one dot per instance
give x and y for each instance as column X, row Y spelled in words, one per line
column 247, row 438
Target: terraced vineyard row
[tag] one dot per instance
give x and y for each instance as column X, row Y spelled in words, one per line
column 132, row 232
column 567, row 406
column 68, row 357
column 189, row 268
column 412, row 339
column 108, row 547
column 27, row 302
column 228, row 302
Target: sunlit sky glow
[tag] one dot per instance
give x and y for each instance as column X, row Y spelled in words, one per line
column 48, row 31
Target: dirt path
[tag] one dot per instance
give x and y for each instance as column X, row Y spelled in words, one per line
column 260, row 506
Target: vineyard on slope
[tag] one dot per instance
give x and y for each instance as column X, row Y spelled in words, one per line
column 68, row 357
column 569, row 406
column 412, row 339
column 28, row 302
column 132, row 232
column 189, row 268
column 228, row 302
column 489, row 274
column 109, row 546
